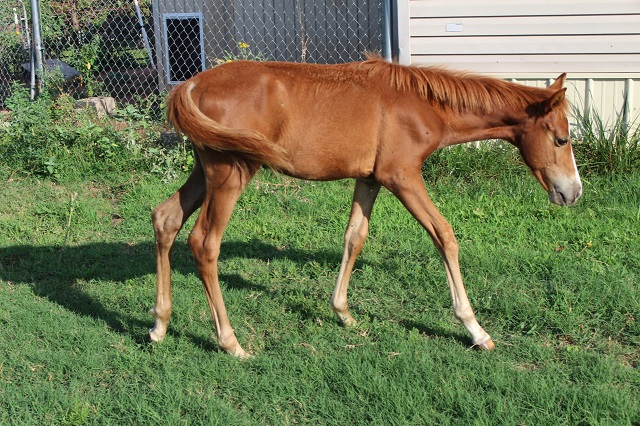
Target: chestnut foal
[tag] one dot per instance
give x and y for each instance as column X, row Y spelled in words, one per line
column 373, row 121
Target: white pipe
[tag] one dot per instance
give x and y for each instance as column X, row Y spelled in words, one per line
column 15, row 21
column 628, row 100
column 587, row 98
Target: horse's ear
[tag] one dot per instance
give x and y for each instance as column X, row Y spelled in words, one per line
column 556, row 99
column 559, row 83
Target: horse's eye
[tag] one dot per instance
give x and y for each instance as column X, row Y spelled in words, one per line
column 562, row 141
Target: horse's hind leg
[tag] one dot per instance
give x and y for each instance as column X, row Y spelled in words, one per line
column 225, row 179
column 168, row 219
column 364, row 196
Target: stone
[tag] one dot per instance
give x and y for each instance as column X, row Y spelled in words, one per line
column 102, row 105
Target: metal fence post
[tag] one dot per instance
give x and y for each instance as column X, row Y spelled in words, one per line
column 36, row 50
column 386, row 24
column 144, row 34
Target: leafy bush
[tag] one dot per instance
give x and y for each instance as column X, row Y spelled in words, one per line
column 49, row 138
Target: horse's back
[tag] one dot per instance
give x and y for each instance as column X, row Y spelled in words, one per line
column 326, row 117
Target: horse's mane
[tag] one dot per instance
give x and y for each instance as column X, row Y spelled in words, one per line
column 455, row 90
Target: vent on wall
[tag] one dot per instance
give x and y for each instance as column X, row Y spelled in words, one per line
column 184, row 46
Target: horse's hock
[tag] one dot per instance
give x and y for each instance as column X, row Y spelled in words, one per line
column 102, row 105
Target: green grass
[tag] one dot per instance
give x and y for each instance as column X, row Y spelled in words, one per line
column 555, row 287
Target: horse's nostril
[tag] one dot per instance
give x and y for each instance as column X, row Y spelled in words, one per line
column 564, row 198
column 558, row 196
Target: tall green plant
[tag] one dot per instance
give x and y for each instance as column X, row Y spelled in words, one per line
column 605, row 148
column 86, row 59
column 243, row 53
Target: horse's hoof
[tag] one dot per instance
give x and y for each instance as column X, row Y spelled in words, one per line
column 349, row 322
column 346, row 319
column 240, row 353
column 155, row 336
column 244, row 355
column 486, row 346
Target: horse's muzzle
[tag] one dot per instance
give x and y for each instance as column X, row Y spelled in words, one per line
column 565, row 195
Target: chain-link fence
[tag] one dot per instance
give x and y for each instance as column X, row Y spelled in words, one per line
column 14, row 44
column 132, row 49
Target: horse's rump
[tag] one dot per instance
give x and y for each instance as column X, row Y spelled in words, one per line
column 185, row 116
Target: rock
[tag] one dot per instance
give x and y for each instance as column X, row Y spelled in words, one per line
column 102, row 105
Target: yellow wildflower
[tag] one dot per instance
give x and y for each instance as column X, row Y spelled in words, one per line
column 243, row 45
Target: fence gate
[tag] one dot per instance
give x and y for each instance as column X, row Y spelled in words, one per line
column 132, row 49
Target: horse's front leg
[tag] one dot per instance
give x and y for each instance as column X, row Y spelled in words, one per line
column 168, row 219
column 410, row 190
column 364, row 196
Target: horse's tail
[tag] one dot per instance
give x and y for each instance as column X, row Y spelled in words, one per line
column 186, row 118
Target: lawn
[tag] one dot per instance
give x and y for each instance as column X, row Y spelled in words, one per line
column 557, row 288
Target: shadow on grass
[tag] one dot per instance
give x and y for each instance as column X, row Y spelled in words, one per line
column 436, row 332
column 53, row 273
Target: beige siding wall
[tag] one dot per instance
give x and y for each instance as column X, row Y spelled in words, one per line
column 597, row 42
column 611, row 97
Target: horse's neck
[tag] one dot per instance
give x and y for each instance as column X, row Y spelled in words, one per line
column 469, row 127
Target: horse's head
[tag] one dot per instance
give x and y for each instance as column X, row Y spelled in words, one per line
column 545, row 146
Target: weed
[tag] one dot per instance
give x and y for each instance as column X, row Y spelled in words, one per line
column 51, row 168
column 30, row 140
column 152, row 107
column 170, row 162
column 243, row 52
column 86, row 60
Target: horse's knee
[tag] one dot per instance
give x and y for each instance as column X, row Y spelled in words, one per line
column 445, row 238
column 355, row 236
